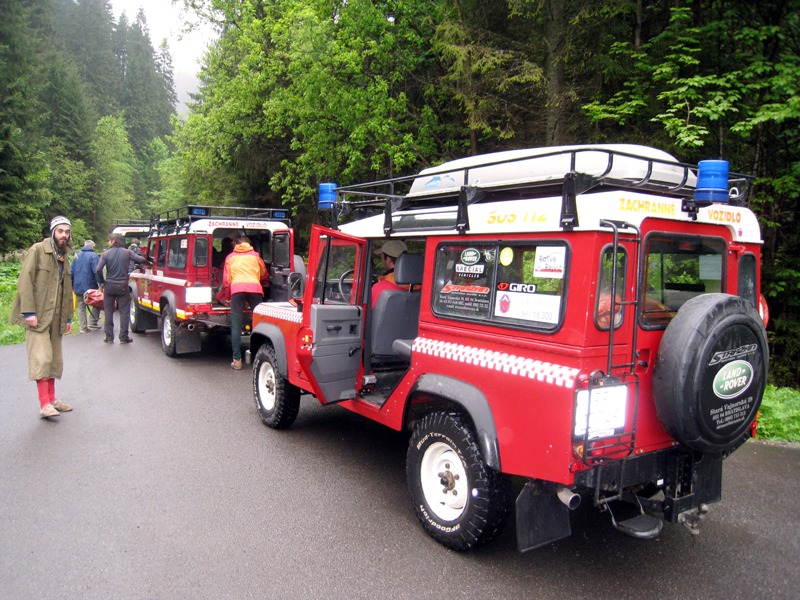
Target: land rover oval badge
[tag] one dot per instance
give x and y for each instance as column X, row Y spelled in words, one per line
column 733, row 379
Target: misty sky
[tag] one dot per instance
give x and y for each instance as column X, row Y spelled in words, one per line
column 164, row 21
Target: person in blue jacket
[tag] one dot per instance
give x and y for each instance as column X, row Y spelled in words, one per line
column 84, row 278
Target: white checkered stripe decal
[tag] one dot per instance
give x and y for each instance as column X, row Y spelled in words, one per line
column 499, row 361
column 282, row 311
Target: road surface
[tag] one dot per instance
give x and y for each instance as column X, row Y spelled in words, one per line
column 163, row 483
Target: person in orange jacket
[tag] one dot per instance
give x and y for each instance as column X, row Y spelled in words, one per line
column 245, row 273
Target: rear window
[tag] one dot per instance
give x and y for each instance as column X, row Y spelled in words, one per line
column 520, row 285
column 679, row 268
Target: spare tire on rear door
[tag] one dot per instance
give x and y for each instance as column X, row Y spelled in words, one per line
column 711, row 372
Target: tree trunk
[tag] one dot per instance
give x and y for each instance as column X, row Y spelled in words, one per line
column 556, row 42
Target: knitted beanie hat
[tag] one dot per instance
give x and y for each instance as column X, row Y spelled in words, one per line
column 59, row 220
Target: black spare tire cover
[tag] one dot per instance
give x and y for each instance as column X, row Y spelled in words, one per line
column 711, row 371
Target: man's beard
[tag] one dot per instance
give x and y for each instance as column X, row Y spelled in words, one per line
column 61, row 245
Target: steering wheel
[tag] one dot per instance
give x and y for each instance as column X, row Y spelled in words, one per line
column 342, row 277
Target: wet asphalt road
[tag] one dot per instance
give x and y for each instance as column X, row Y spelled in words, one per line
column 163, row 483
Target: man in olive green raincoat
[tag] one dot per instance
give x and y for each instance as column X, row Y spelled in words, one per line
column 43, row 306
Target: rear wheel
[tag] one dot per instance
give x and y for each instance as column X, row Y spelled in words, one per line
column 277, row 400
column 168, row 327
column 461, row 502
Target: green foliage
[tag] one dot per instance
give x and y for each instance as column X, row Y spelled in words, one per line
column 780, row 415
column 9, row 334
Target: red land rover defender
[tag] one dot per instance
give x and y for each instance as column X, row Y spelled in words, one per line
column 186, row 246
column 580, row 319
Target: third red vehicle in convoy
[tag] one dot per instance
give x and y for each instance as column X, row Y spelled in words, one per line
column 576, row 323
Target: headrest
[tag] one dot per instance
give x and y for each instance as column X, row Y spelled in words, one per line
column 408, row 269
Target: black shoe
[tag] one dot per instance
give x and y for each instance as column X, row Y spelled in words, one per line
column 126, row 341
column 109, row 340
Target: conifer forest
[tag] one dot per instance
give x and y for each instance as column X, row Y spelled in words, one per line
column 296, row 92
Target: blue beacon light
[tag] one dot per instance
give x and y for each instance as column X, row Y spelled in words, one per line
column 327, row 196
column 712, row 181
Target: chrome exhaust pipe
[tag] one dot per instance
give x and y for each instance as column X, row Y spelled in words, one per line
column 568, row 498
column 190, row 326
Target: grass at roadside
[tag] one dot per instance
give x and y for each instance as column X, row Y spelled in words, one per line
column 780, row 415
column 9, row 334
column 780, row 409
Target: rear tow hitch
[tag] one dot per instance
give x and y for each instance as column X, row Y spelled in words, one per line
column 691, row 518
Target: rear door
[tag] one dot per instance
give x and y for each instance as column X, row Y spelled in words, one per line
column 334, row 313
column 281, row 265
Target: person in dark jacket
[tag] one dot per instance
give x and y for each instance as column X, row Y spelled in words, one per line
column 84, row 278
column 114, row 283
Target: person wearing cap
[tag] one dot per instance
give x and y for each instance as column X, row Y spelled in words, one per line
column 43, row 306
column 389, row 252
column 84, row 279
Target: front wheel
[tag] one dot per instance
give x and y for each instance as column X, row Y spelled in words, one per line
column 277, row 400
column 461, row 502
column 136, row 315
column 168, row 327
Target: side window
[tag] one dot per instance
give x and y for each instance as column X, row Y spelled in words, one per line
column 280, row 244
column 747, row 278
column 678, row 268
column 517, row 284
column 336, row 273
column 159, row 250
column 603, row 306
column 200, row 257
column 464, row 278
column 176, row 257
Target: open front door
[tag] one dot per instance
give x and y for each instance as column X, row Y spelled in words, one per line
column 334, row 313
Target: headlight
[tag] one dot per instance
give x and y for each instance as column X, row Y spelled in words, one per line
column 198, row 295
column 608, row 409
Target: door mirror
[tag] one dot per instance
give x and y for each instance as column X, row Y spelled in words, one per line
column 297, row 285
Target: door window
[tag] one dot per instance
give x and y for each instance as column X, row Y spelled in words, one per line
column 337, row 279
column 678, row 268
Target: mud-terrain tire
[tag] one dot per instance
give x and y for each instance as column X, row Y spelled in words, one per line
column 168, row 332
column 461, row 502
column 277, row 400
column 711, row 371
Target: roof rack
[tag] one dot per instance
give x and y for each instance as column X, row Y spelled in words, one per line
column 179, row 219
column 568, row 171
column 130, row 223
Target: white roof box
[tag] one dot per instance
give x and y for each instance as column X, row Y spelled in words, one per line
column 628, row 162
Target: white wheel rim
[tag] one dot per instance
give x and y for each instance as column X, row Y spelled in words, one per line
column 133, row 312
column 166, row 329
column 266, row 386
column 444, row 481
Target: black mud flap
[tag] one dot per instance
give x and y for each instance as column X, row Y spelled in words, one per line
column 541, row 518
column 187, row 340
